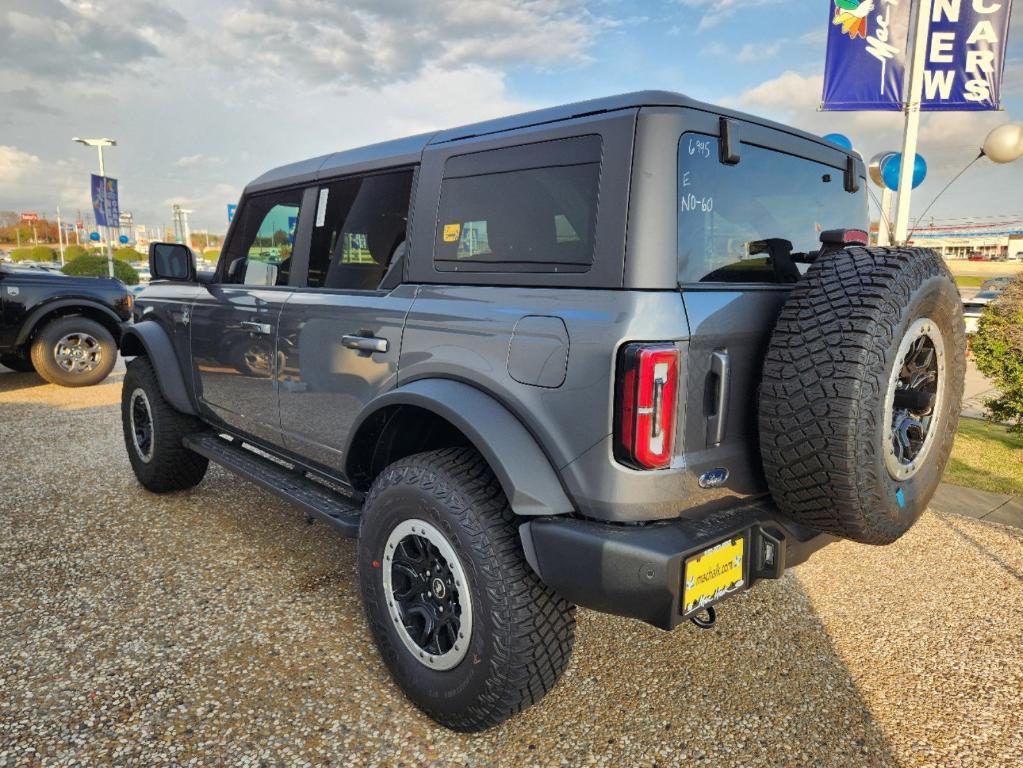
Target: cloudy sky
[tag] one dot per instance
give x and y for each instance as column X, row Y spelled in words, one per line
column 202, row 96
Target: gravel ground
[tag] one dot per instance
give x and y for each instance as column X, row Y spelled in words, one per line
column 217, row 627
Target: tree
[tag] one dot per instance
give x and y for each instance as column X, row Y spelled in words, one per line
column 43, row 253
column 998, row 349
column 128, row 254
column 72, row 252
column 96, row 266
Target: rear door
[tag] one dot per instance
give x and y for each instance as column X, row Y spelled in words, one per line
column 739, row 224
column 340, row 332
column 234, row 322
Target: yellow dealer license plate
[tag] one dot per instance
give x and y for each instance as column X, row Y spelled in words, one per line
column 713, row 574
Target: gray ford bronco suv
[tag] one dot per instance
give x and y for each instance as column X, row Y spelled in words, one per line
column 630, row 354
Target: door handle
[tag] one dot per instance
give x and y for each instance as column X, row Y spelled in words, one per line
column 365, row 343
column 252, row 325
column 720, row 369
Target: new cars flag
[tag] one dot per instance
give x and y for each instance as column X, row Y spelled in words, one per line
column 868, row 51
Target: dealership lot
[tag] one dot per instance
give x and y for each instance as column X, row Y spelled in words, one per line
column 217, row 625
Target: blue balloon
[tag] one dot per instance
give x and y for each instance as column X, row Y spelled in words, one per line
column 892, row 166
column 123, row 239
column 94, row 236
column 843, row 141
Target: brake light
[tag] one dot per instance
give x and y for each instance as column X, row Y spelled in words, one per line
column 647, row 383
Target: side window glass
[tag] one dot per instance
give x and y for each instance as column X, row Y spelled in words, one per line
column 260, row 251
column 529, row 208
column 360, row 230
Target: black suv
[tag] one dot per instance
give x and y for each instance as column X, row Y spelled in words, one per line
column 64, row 328
column 630, row 354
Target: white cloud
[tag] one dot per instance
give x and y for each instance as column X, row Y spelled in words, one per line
column 754, row 52
column 196, row 161
column 16, row 165
column 716, row 11
column 369, row 42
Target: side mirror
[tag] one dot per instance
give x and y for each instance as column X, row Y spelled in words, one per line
column 171, row 261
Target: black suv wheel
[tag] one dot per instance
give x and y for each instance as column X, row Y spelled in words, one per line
column 73, row 351
column 153, row 430
column 466, row 628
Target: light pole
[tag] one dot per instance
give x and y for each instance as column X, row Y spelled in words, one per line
column 99, row 144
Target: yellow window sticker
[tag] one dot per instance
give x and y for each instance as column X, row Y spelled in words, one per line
column 452, row 232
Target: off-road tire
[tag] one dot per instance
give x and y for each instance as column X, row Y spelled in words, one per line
column 17, row 363
column 45, row 342
column 826, row 374
column 522, row 633
column 172, row 467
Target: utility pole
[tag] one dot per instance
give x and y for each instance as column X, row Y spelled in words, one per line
column 99, row 144
column 912, row 129
column 60, row 236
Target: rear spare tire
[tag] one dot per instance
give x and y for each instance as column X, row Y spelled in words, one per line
column 861, row 391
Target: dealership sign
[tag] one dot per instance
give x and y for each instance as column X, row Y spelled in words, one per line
column 104, row 201
column 868, row 49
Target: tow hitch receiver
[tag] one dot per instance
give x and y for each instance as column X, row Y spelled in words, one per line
column 705, row 622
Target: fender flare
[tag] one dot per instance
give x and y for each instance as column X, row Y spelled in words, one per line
column 157, row 346
column 523, row 470
column 42, row 310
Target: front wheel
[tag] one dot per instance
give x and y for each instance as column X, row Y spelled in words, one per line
column 74, row 351
column 153, row 431
column 466, row 628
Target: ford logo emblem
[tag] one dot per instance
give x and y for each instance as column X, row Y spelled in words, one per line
column 714, row 479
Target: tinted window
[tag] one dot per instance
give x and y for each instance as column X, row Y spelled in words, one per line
column 260, row 250
column 741, row 223
column 499, row 214
column 359, row 230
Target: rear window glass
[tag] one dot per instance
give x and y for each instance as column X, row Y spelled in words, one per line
column 520, row 209
column 736, row 222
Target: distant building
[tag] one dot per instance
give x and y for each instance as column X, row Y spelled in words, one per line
column 994, row 241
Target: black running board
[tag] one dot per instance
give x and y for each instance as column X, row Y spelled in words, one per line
column 293, row 485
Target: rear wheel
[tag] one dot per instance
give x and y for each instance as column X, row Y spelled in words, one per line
column 861, row 391
column 73, row 351
column 466, row 628
column 153, row 430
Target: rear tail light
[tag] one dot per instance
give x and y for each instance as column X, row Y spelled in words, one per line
column 647, row 383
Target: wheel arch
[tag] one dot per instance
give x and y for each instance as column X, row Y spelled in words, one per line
column 150, row 339
column 435, row 413
column 51, row 310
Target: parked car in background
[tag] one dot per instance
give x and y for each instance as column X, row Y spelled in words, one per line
column 64, row 328
column 974, row 308
column 997, row 283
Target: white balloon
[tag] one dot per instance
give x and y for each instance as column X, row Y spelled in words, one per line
column 1005, row 143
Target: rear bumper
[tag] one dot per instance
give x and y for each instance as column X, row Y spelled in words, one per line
column 636, row 570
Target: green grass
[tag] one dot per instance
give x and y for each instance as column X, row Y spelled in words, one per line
column 969, row 281
column 987, row 457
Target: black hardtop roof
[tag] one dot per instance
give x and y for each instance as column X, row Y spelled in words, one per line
column 408, row 150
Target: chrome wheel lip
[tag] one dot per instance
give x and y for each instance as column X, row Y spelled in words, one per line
column 78, row 353
column 139, row 399
column 428, row 531
column 898, row 469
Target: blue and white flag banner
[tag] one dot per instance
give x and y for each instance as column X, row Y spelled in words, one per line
column 965, row 54
column 867, row 54
column 104, row 201
column 866, row 60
